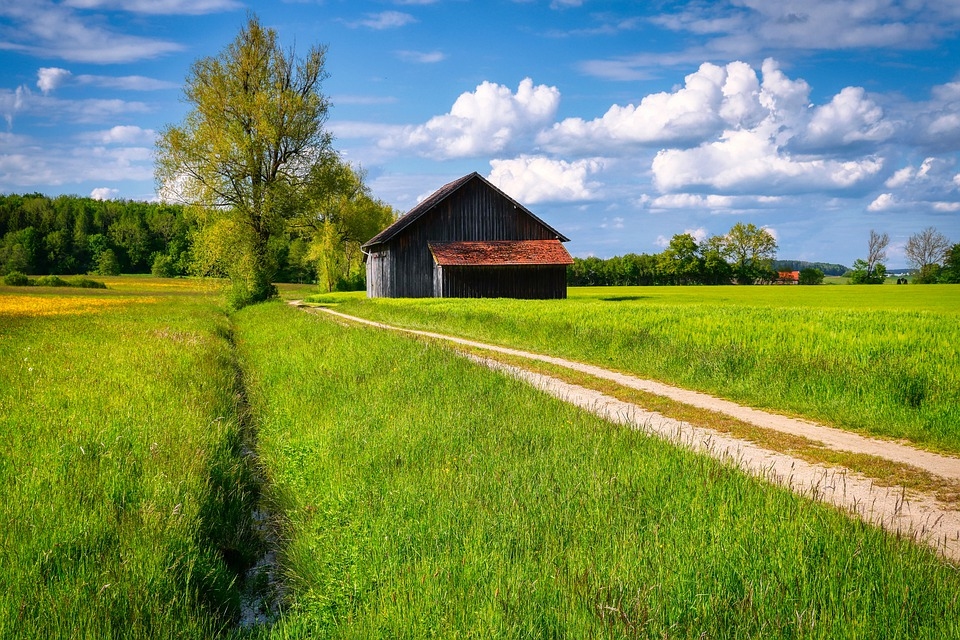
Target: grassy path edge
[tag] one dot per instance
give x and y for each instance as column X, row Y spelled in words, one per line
column 920, row 516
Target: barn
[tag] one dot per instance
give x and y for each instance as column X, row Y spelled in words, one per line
column 467, row 240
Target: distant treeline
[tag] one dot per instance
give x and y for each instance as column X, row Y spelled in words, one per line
column 40, row 235
column 745, row 255
column 68, row 235
column 827, row 268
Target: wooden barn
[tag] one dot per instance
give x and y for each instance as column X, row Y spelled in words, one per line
column 468, row 240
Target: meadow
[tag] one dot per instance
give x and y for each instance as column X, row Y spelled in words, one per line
column 123, row 491
column 411, row 493
column 879, row 360
column 421, row 495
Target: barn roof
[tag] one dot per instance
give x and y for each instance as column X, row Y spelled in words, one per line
column 439, row 196
column 500, row 253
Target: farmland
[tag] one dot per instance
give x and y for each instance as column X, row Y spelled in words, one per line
column 879, row 360
column 413, row 492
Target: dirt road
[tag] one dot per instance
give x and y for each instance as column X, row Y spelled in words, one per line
column 909, row 513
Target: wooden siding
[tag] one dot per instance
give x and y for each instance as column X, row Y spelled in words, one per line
column 473, row 212
column 528, row 282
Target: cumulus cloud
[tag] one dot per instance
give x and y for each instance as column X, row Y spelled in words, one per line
column 712, row 100
column 487, row 120
column 931, row 185
column 533, row 179
column 104, row 193
column 750, row 162
column 849, row 118
column 50, row 78
column 710, row 97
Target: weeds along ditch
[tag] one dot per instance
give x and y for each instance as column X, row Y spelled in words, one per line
column 424, row 496
column 880, row 360
column 124, row 494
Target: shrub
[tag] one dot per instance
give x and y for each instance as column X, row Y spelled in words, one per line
column 87, row 283
column 50, row 281
column 16, row 279
column 163, row 266
column 811, row 276
column 107, row 263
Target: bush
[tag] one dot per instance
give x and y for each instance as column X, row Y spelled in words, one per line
column 163, row 266
column 87, row 283
column 50, row 281
column 107, row 263
column 16, row 279
column 811, row 276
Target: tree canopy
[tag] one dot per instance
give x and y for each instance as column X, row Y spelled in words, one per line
column 254, row 159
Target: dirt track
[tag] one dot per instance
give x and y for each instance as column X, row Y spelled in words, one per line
column 894, row 508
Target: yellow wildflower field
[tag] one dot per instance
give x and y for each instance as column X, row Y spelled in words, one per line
column 37, row 306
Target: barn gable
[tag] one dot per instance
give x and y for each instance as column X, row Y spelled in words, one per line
column 468, row 210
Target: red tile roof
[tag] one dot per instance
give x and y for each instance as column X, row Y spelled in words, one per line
column 500, row 253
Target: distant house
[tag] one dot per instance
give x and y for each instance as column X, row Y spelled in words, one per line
column 788, row 277
column 467, row 240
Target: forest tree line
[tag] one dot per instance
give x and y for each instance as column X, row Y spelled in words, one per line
column 68, row 235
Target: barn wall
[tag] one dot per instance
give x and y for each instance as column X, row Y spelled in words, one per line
column 473, row 212
column 529, row 281
column 380, row 283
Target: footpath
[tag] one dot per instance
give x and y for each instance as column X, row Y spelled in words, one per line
column 909, row 513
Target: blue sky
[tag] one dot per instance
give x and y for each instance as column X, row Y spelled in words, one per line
column 619, row 123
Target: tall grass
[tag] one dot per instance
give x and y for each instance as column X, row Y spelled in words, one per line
column 424, row 496
column 123, row 491
column 882, row 360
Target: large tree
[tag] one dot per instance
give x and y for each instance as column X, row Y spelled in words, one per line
column 246, row 151
column 751, row 251
column 872, row 270
column 926, row 250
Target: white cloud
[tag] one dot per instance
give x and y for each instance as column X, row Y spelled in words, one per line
column 422, row 57
column 900, row 178
column 533, row 179
column 751, row 29
column 52, row 78
column 882, row 202
column 49, row 78
column 946, row 207
column 384, row 20
column 104, row 193
column 50, row 30
column 690, row 113
column 488, row 120
column 750, row 162
column 699, row 234
column 850, row 117
column 713, row 99
column 124, row 135
column 159, row 7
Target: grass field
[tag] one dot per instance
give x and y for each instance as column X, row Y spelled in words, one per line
column 880, row 360
column 424, row 496
column 414, row 494
column 122, row 489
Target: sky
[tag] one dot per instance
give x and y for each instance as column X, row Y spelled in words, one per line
column 619, row 123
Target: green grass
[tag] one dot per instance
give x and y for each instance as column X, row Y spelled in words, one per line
column 424, row 496
column 123, row 493
column 880, row 360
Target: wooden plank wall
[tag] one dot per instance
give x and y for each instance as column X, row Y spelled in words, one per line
column 474, row 212
column 540, row 282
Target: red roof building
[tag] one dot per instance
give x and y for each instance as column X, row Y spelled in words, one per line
column 468, row 240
